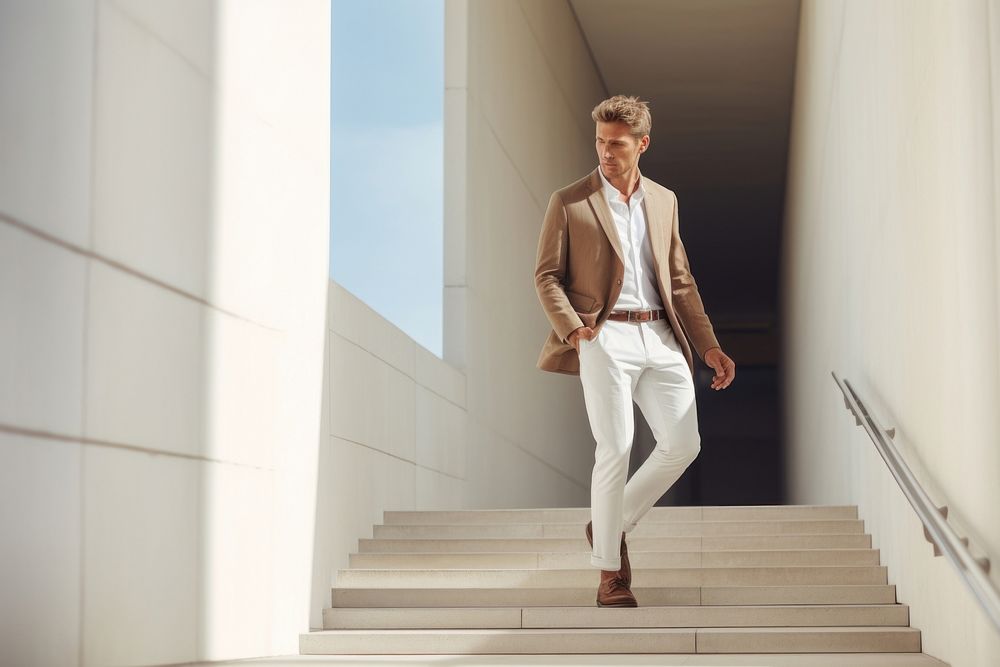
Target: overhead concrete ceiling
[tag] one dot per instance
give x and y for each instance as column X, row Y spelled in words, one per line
column 719, row 77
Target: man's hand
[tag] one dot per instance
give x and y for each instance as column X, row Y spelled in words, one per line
column 725, row 368
column 576, row 334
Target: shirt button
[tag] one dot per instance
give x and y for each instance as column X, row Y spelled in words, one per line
column 619, row 281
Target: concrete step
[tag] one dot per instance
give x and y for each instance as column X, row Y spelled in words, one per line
column 639, row 543
column 752, row 580
column 645, row 559
column 582, row 514
column 583, row 596
column 807, row 640
column 612, row 640
column 491, row 640
column 595, row 617
column 679, row 576
column 644, row 529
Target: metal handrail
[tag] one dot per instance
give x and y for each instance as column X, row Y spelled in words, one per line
column 937, row 530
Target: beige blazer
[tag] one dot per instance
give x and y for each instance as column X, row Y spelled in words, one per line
column 579, row 270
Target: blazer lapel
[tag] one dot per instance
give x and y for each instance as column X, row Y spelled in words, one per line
column 603, row 211
column 658, row 225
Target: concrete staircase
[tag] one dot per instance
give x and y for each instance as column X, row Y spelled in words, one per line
column 762, row 579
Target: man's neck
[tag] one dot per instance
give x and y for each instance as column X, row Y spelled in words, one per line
column 627, row 183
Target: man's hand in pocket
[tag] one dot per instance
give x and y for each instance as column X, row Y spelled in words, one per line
column 576, row 334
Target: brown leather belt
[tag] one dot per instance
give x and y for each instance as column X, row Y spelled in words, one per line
column 637, row 315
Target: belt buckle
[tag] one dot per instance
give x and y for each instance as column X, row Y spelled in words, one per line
column 642, row 315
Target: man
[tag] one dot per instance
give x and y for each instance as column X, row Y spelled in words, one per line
column 613, row 278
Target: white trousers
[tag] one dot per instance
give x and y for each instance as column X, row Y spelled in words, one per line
column 641, row 362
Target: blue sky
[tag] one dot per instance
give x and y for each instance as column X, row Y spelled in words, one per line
column 386, row 238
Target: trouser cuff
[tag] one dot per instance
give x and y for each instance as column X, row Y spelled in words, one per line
column 606, row 563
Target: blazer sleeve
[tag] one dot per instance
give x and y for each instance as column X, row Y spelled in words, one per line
column 686, row 299
column 550, row 270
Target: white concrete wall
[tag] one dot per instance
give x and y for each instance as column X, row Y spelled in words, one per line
column 395, row 434
column 164, row 224
column 891, row 280
column 517, row 126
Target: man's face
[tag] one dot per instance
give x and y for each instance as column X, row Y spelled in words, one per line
column 617, row 148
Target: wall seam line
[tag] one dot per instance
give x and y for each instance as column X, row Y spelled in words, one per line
column 515, row 445
column 590, row 51
column 510, row 160
column 41, row 434
column 135, row 273
column 586, row 45
column 397, row 368
column 398, row 457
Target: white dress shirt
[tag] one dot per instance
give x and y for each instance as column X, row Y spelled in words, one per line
column 639, row 290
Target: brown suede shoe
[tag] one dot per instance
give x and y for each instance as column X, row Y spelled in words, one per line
column 612, row 591
column 626, row 569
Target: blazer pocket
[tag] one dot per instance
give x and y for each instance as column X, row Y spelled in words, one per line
column 581, row 302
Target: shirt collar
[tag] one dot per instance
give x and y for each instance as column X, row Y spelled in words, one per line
column 612, row 193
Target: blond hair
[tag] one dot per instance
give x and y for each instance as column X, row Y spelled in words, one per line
column 627, row 109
